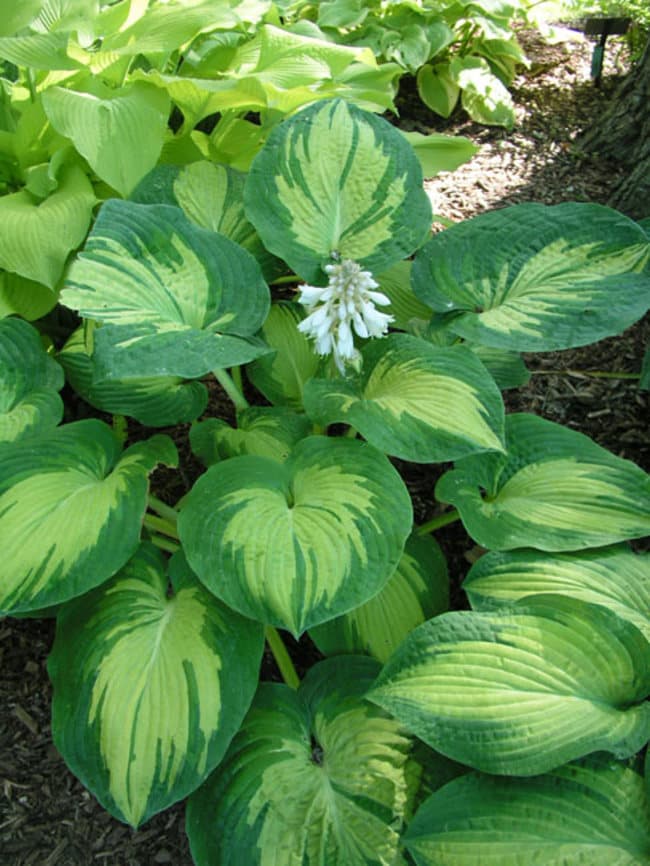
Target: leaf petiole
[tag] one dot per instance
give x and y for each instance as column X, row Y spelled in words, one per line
column 438, row 522
column 282, row 657
column 224, row 378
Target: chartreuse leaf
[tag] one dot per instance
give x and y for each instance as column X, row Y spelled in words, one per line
column 438, row 152
column 595, row 811
column 395, row 283
column 575, row 276
column 414, row 401
column 336, row 179
column 438, row 88
column 615, row 577
column 315, row 777
column 39, row 235
column 555, row 489
column 417, row 591
column 71, row 509
column 29, row 383
column 281, row 376
column 522, row 690
column 149, row 689
column 176, row 300
column 266, row 431
column 120, row 135
column 156, row 401
column 296, row 543
column 25, row 298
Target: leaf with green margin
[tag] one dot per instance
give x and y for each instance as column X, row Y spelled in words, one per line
column 395, row 283
column 176, row 299
column 615, row 577
column 297, row 543
column 71, row 509
column 316, row 776
column 438, row 152
column 595, row 811
column 414, row 401
column 524, row 689
column 157, row 401
column 149, row 689
column 574, row 278
column 120, row 135
column 29, row 383
column 42, row 234
column 281, row 377
column 554, row 489
column 483, row 96
column 265, row 431
column 417, row 591
column 334, row 178
column 506, row 368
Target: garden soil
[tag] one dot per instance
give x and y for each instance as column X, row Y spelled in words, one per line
column 47, row 818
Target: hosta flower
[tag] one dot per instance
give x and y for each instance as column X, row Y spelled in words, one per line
column 345, row 304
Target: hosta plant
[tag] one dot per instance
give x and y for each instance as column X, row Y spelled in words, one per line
column 349, row 340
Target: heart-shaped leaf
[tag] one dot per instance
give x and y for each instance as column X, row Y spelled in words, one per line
column 176, row 300
column 417, row 591
column 296, row 543
column 555, row 489
column 143, row 712
column 316, row 777
column 595, row 811
column 524, row 689
column 71, row 511
column 534, row 278
column 334, row 179
column 29, row 383
column 25, row 298
column 414, row 400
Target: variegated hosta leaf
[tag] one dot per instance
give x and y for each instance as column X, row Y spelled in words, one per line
column 120, row 135
column 395, row 283
column 71, row 509
column 414, row 401
column 29, row 383
column 555, row 489
column 534, row 278
column 506, row 368
column 297, row 543
column 615, row 577
column 281, row 376
column 266, row 431
column 524, row 689
column 149, row 689
column 592, row 812
column 38, row 235
column 317, row 777
column 157, row 401
column 175, row 299
column 417, row 591
column 336, row 179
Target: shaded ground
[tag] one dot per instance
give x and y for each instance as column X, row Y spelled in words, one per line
column 46, row 816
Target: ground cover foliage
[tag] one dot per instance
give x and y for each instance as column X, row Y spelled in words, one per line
column 417, row 720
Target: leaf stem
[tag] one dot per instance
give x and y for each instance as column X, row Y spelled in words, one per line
column 282, row 657
column 225, row 380
column 289, row 279
column 163, row 509
column 164, row 543
column 586, row 374
column 438, row 522
column 159, row 524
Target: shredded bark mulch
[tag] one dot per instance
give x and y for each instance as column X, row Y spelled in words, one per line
column 47, row 818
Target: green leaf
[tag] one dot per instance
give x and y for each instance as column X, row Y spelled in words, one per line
column 524, row 689
column 614, row 577
column 281, row 376
column 437, row 88
column 506, row 368
column 176, row 300
column 38, row 235
column 71, row 510
column 16, row 16
column 29, row 382
column 335, row 179
column 39, row 51
column 576, row 276
column 314, row 777
column 595, row 811
column 414, row 401
column 555, row 489
column 264, row 431
column 157, row 401
column 483, row 96
column 417, row 591
column 644, row 381
column 149, row 689
column 24, row 298
column 438, row 152
column 296, row 543
column 120, row 135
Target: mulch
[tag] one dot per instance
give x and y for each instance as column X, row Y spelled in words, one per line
column 47, row 818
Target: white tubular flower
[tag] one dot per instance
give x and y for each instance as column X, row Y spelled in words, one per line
column 347, row 302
